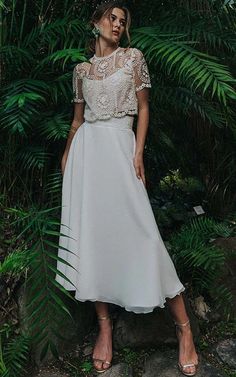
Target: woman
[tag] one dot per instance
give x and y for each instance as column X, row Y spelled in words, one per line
column 116, row 254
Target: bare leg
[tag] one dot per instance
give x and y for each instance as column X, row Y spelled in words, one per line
column 187, row 352
column 103, row 346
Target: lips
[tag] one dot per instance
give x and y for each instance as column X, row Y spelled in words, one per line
column 116, row 32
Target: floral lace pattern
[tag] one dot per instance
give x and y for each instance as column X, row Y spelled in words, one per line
column 108, row 84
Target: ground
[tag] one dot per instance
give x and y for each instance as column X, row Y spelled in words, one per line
column 217, row 347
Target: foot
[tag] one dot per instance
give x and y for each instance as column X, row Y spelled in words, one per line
column 103, row 345
column 187, row 351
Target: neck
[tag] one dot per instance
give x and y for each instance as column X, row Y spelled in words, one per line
column 103, row 49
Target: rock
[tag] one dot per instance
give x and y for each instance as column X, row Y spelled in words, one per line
column 74, row 331
column 208, row 370
column 87, row 350
column 228, row 277
column 226, row 351
column 119, row 370
column 51, row 374
column 164, row 364
column 144, row 330
column 46, row 372
column 200, row 307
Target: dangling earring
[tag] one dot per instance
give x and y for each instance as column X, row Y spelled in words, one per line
column 96, row 31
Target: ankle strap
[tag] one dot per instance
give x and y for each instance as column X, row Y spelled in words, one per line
column 182, row 324
column 103, row 317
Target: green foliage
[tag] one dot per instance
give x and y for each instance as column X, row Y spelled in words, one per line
column 174, row 198
column 174, row 181
column 15, row 356
column 200, row 261
column 130, row 356
column 190, row 54
column 14, row 350
column 86, row 366
column 193, row 68
column 44, row 305
column 15, row 263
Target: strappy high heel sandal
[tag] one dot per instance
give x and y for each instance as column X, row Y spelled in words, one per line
column 103, row 361
column 182, row 367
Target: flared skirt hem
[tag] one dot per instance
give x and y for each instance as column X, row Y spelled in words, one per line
column 134, row 309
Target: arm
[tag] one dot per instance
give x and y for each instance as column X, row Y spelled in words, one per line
column 142, row 84
column 76, row 123
column 78, row 118
column 142, row 127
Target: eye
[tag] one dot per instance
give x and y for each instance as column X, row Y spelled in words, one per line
column 114, row 17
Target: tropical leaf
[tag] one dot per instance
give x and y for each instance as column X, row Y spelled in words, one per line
column 198, row 258
column 186, row 64
column 33, row 157
column 40, row 231
column 15, row 356
column 54, row 127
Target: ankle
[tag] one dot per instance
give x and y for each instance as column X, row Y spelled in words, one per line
column 184, row 327
column 104, row 321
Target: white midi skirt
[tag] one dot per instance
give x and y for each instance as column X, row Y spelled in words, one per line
column 111, row 242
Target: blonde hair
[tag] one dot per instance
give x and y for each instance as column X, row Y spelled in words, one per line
column 105, row 9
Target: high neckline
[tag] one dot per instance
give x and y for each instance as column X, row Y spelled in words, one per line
column 106, row 56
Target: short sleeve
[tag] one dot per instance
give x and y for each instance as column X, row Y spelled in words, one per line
column 141, row 72
column 77, row 81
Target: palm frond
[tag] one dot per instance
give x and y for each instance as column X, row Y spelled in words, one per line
column 15, row 355
column 62, row 56
column 198, row 258
column 54, row 183
column 185, row 101
column 198, row 30
column 44, row 305
column 12, row 53
column 189, row 66
column 15, row 263
column 54, row 128
column 22, row 100
column 49, row 32
column 33, row 156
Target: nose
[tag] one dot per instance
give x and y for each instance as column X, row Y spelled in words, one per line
column 117, row 23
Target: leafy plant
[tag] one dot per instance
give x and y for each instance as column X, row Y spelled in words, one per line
column 200, row 261
column 190, row 49
column 14, row 350
column 14, row 357
column 44, row 305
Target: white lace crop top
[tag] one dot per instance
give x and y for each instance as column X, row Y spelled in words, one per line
column 108, row 84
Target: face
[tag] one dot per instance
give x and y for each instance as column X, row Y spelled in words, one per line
column 113, row 26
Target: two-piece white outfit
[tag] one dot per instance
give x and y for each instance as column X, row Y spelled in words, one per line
column 118, row 254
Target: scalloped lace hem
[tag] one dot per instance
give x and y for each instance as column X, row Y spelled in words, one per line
column 143, row 85
column 118, row 114
column 134, row 309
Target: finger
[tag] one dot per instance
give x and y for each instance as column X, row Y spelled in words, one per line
column 143, row 178
column 138, row 172
column 137, row 169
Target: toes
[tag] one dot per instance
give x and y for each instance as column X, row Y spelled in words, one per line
column 105, row 365
column 98, row 364
column 189, row 369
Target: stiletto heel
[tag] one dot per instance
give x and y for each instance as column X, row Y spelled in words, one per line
column 100, row 318
column 189, row 364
